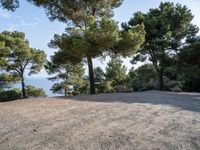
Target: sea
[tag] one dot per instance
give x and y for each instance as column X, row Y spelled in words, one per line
column 43, row 83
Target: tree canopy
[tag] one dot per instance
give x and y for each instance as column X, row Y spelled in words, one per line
column 91, row 32
column 69, row 76
column 32, row 91
column 116, row 74
column 165, row 36
column 189, row 65
column 9, row 4
column 77, row 11
column 165, row 27
column 143, row 78
column 19, row 56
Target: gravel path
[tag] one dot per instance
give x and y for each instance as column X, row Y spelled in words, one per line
column 123, row 121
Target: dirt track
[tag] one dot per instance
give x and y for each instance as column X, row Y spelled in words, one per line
column 139, row 121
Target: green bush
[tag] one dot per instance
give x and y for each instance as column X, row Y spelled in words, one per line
column 10, row 95
column 143, row 78
column 32, row 91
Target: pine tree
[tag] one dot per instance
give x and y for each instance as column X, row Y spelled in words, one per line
column 18, row 56
column 165, row 27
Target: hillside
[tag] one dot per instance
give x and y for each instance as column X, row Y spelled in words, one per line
column 140, row 120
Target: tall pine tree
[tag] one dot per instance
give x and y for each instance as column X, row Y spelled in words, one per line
column 165, row 27
column 18, row 56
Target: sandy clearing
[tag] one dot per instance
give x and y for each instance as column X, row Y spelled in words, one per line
column 140, row 121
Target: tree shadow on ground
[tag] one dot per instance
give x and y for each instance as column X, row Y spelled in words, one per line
column 186, row 101
column 4, row 101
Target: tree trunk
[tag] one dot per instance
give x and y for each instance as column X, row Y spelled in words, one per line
column 160, row 80
column 23, row 87
column 91, row 75
column 66, row 82
column 65, row 92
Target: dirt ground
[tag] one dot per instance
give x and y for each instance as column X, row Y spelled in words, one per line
column 123, row 121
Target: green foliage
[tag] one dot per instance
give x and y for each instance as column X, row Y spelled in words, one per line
column 20, row 55
column 69, row 76
column 189, row 66
column 77, row 11
column 10, row 95
column 165, row 28
column 108, row 87
column 99, row 77
column 9, row 4
column 87, row 42
column 77, row 79
column 115, row 70
column 84, row 89
column 34, row 92
column 6, row 80
column 61, row 88
column 72, row 9
column 91, row 32
column 91, row 41
column 14, row 94
column 3, row 53
column 17, row 56
column 143, row 78
column 171, row 78
column 116, row 75
column 129, row 40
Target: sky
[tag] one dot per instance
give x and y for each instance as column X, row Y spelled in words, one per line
column 39, row 30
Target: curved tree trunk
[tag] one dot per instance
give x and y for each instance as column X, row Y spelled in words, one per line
column 91, row 75
column 160, row 80
column 23, row 87
column 65, row 92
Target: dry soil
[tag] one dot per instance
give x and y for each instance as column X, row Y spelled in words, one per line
column 123, row 121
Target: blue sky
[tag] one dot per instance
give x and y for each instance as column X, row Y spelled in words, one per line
column 39, row 30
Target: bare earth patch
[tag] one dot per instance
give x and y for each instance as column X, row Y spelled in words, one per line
column 139, row 121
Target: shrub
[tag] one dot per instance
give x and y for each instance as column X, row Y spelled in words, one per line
column 32, row 91
column 10, row 95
